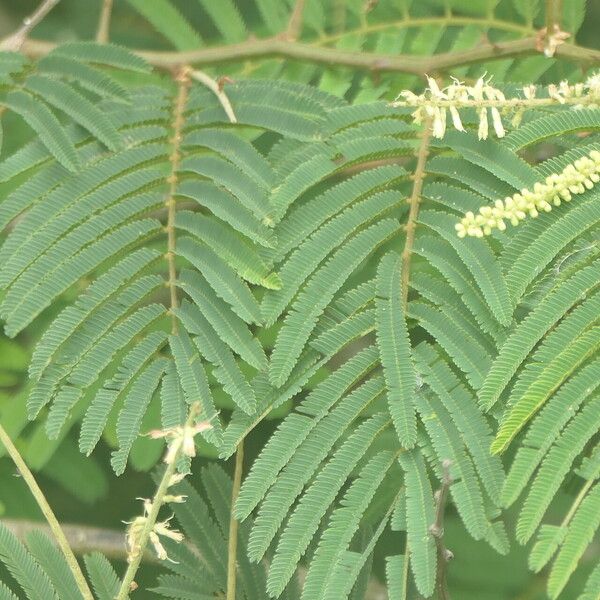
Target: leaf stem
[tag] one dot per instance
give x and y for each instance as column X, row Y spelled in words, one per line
column 415, row 202
column 233, row 524
column 48, row 514
column 294, row 28
column 183, row 84
column 104, row 22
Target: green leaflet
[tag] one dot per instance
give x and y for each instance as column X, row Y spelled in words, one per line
column 105, row 400
column 168, row 21
column 460, row 403
column 45, row 553
column 319, row 291
column 395, row 573
column 193, row 382
column 215, row 351
column 394, row 349
column 532, row 329
column 21, row 565
column 77, row 107
column 304, row 521
column 493, row 157
column 550, row 126
column 480, row 261
column 102, row 575
column 420, row 514
column 221, row 277
column 342, row 526
column 469, row 355
column 307, row 257
column 554, row 468
column 134, row 407
column 572, row 221
column 552, row 375
column 230, row 328
column 46, row 125
column 226, row 18
column 580, row 533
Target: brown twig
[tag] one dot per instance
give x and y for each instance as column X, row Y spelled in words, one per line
column 437, row 531
column 415, row 202
column 294, row 28
column 15, row 41
column 401, row 63
column 104, row 22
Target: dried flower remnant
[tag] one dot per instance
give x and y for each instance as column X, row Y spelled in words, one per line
column 161, row 528
column 575, row 179
column 548, row 41
column 134, row 534
column 181, row 436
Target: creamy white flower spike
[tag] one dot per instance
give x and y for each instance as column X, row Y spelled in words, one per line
column 575, row 179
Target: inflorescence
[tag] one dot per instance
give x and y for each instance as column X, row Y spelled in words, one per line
column 180, row 444
column 490, row 103
column 575, row 179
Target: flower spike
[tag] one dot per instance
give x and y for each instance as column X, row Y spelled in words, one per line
column 575, row 179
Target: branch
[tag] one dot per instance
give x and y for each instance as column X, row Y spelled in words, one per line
column 15, row 41
column 401, row 63
column 51, row 519
column 437, row 531
column 104, row 22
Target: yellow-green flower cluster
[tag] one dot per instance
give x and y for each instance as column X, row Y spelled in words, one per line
column 575, row 179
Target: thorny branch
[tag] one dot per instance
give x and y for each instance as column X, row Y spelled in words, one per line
column 401, row 63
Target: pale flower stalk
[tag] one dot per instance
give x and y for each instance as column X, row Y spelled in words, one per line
column 490, row 103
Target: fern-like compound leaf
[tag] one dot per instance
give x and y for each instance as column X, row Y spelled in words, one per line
column 394, row 349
